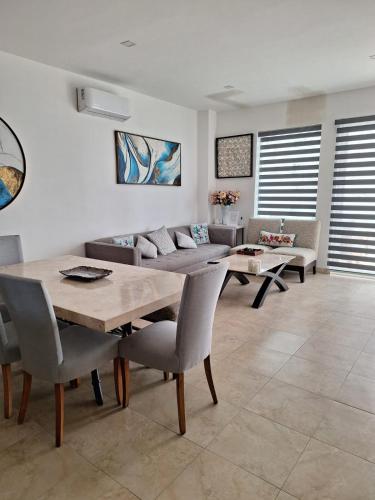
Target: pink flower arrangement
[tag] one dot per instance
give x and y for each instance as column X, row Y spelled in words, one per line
column 224, row 197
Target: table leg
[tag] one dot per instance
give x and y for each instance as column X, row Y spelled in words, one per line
column 225, row 282
column 242, row 278
column 270, row 277
column 95, row 380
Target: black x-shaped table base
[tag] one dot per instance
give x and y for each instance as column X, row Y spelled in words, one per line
column 272, row 276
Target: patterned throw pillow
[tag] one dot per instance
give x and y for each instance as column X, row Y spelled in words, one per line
column 199, row 233
column 124, row 241
column 148, row 249
column 184, row 241
column 162, row 240
column 276, row 239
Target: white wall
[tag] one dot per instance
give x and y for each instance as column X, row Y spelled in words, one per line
column 316, row 110
column 70, row 193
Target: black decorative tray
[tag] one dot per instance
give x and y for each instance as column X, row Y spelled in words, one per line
column 86, row 273
column 252, row 252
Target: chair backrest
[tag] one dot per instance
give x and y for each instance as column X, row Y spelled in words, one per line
column 258, row 224
column 35, row 321
column 196, row 316
column 307, row 232
column 10, row 250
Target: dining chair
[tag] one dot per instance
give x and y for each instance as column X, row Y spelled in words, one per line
column 10, row 253
column 47, row 353
column 177, row 347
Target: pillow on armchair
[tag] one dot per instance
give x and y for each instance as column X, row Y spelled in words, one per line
column 276, row 239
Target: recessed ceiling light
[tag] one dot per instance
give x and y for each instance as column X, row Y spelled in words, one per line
column 228, row 87
column 128, row 43
column 372, row 56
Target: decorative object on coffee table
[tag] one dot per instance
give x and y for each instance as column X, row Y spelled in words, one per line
column 234, row 156
column 146, row 160
column 12, row 165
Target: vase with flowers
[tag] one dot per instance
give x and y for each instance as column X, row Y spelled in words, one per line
column 225, row 199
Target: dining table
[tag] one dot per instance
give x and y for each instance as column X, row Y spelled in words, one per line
column 106, row 304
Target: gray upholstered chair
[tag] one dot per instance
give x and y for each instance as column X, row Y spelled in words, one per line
column 177, row 347
column 10, row 253
column 48, row 354
column 9, row 353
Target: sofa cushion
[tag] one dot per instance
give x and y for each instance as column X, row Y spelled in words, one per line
column 303, row 255
column 185, row 241
column 257, row 224
column 199, row 233
column 187, row 257
column 147, row 248
column 251, row 245
column 124, row 241
column 307, row 232
column 162, row 240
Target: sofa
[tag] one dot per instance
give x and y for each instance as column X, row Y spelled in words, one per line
column 222, row 238
column 305, row 251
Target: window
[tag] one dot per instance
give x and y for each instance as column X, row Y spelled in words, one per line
column 288, row 169
column 352, row 226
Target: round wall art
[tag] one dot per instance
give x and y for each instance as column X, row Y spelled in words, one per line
column 12, row 165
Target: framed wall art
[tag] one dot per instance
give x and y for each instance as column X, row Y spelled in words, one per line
column 12, row 165
column 234, row 156
column 146, row 160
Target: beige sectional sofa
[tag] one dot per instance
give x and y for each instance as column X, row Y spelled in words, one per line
column 306, row 243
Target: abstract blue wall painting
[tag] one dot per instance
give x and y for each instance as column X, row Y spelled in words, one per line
column 146, row 160
column 12, row 165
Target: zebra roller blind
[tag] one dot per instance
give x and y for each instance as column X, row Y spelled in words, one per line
column 288, row 169
column 352, row 225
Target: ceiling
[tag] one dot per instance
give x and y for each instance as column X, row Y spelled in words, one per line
column 187, row 50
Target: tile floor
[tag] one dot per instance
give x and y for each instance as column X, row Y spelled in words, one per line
column 295, row 419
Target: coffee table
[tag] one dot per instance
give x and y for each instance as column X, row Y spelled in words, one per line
column 270, row 268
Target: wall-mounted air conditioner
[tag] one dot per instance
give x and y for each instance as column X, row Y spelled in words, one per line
column 97, row 102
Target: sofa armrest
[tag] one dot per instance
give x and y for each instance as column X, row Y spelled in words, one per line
column 222, row 235
column 113, row 253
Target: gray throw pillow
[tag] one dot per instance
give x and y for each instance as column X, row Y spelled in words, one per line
column 148, row 249
column 162, row 240
column 184, row 241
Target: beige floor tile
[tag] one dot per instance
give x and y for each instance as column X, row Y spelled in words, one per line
column 260, row 446
column 264, row 361
column 344, row 336
column 365, row 365
column 370, row 346
column 339, row 321
column 312, row 376
column 358, row 392
column 324, row 472
column 11, row 432
column 212, row 477
column 285, row 496
column 349, row 429
column 328, row 353
column 34, row 469
column 281, row 341
column 140, row 454
column 235, row 381
column 204, row 419
column 290, row 406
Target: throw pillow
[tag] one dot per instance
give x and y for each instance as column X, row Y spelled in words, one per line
column 124, row 241
column 199, row 233
column 148, row 249
column 162, row 240
column 276, row 239
column 184, row 241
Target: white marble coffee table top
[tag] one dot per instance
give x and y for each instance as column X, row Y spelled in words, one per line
column 239, row 263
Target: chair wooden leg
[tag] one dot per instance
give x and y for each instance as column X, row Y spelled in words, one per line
column 207, row 369
column 118, row 380
column 59, row 405
column 166, row 376
column 74, row 384
column 7, row 385
column 27, row 379
column 181, row 402
column 125, row 382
